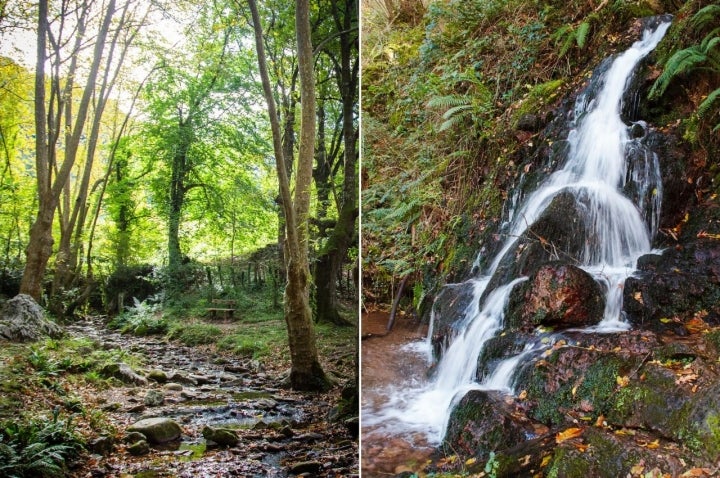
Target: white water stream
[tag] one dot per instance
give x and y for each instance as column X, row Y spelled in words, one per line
column 620, row 230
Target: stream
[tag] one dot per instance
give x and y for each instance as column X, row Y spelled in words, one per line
column 282, row 433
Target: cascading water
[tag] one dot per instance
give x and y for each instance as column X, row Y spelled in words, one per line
column 615, row 181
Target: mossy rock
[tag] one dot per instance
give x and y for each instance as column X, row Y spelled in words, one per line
column 481, row 423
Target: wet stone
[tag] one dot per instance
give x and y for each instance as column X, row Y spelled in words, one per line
column 157, row 376
column 154, row 398
column 173, row 386
column 312, row 467
column 221, row 436
column 132, row 437
column 139, row 448
column 157, row 430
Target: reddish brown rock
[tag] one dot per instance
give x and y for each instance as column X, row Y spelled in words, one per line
column 558, row 295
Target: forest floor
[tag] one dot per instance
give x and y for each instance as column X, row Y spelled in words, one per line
column 281, row 432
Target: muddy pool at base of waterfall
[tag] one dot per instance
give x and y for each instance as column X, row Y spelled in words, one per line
column 386, row 364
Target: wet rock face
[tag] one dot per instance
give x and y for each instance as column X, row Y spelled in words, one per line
column 450, row 307
column 557, row 235
column 482, row 422
column 670, row 289
column 23, row 320
column 558, row 295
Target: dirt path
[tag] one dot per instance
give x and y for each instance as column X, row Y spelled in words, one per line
column 385, row 364
column 281, row 432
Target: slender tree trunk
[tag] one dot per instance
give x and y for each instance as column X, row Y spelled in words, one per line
column 49, row 191
column 331, row 258
column 306, row 372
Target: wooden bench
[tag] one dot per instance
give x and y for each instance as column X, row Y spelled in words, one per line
column 224, row 309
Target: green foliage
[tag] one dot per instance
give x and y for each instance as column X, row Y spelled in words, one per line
column 567, row 35
column 38, row 448
column 700, row 58
column 141, row 319
column 195, row 334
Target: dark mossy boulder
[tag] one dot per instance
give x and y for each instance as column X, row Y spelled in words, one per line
column 483, row 422
column 671, row 288
column 672, row 407
column 450, row 308
column 504, row 345
column 221, row 436
column 576, row 379
column 557, row 235
column 558, row 295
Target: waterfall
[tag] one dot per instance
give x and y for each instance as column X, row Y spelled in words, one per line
column 620, row 229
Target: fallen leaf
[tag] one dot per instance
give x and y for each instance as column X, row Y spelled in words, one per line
column 568, row 434
column 637, row 469
column 524, row 461
column 686, row 378
column 696, row 472
column 523, row 395
column 622, row 381
column 545, row 461
column 600, row 422
column 581, row 447
column 470, row 461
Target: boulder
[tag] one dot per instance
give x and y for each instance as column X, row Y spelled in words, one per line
column 23, row 320
column 558, row 295
column 157, row 376
column 154, row 398
column 102, row 445
column 559, row 234
column 221, row 436
column 139, row 448
column 124, row 373
column 482, row 422
column 157, row 430
column 311, row 467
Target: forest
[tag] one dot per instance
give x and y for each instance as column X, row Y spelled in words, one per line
column 179, row 238
column 540, row 238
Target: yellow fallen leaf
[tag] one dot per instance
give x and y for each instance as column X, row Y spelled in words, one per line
column 622, row 381
column 653, row 445
column 470, row 461
column 696, row 472
column 545, row 461
column 523, row 395
column 637, row 469
column 581, row 447
column 600, row 422
column 568, row 434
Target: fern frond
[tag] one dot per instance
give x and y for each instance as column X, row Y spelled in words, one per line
column 709, row 43
column 708, row 102
column 450, row 122
column 581, row 34
column 455, row 110
column 680, row 62
column 567, row 45
column 705, row 16
column 446, row 101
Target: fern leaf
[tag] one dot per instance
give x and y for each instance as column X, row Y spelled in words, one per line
column 680, row 62
column 455, row 110
column 567, row 45
column 708, row 102
column 581, row 35
column 705, row 16
column 450, row 122
column 708, row 43
column 446, row 101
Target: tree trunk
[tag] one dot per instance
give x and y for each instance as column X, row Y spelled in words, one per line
column 40, row 242
column 306, row 372
column 333, row 255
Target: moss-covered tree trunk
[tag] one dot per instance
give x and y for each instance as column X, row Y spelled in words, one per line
column 306, row 372
column 332, row 256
